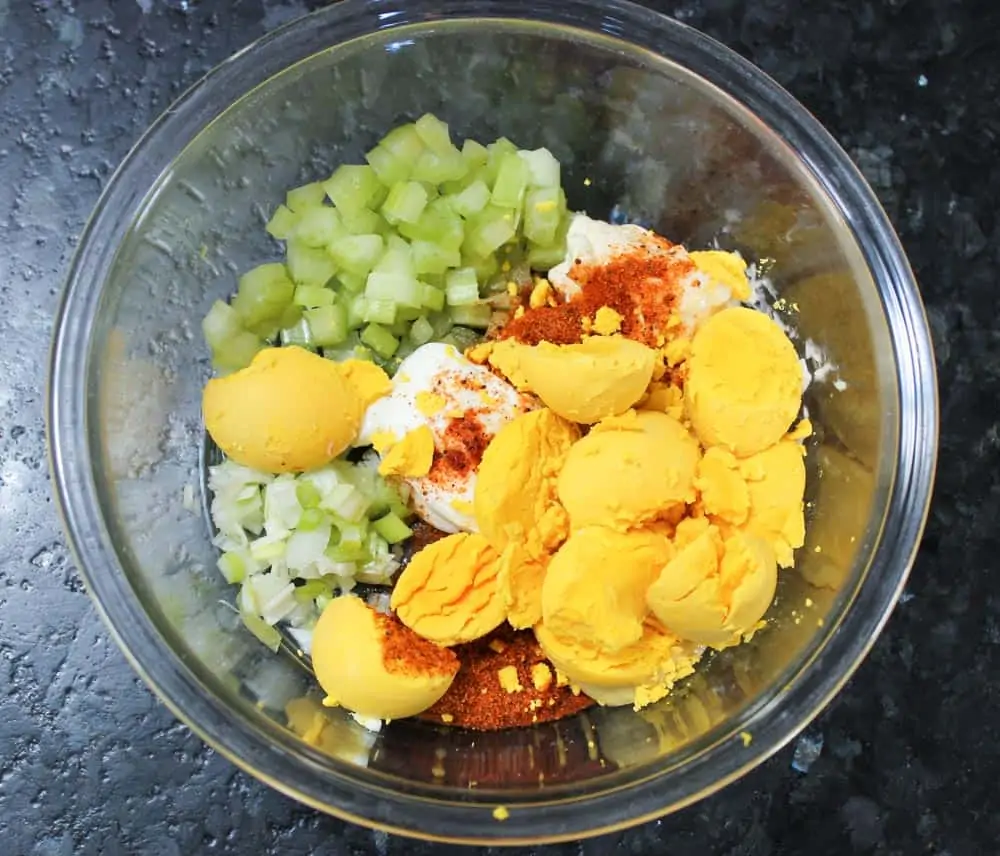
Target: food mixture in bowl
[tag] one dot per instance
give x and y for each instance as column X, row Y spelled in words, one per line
column 490, row 461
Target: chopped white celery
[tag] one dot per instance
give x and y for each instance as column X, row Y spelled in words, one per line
column 268, row 548
column 328, row 325
column 311, row 296
column 281, row 506
column 397, row 287
column 543, row 168
column 309, row 265
column 421, row 331
column 305, row 551
column 471, row 200
column 461, row 287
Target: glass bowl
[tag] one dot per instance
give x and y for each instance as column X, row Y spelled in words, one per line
column 651, row 120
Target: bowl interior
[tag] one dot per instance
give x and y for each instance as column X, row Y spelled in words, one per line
column 640, row 138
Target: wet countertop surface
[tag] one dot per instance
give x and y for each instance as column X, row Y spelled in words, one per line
column 905, row 760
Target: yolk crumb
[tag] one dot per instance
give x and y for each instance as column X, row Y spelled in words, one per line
column 509, row 680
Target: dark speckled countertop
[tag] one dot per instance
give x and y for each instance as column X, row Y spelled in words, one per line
column 906, row 760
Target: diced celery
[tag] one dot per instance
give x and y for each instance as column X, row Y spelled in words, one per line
column 462, row 338
column 484, row 266
column 397, row 258
column 299, row 334
column 438, row 223
column 380, row 311
column 282, row 223
column 307, row 493
column 311, row 518
column 380, row 340
column 233, row 567
column 405, row 202
column 394, row 287
column 431, row 297
column 236, row 353
column 432, row 190
column 407, row 314
column 364, row 221
column 433, row 132
column 542, row 214
column 545, row 257
column 351, row 283
column 511, row 182
column 543, row 168
column 308, row 196
column 488, row 235
column 475, row 154
column 442, row 324
column 461, row 287
column 392, row 528
column 352, row 187
column 318, row 226
column 262, row 630
column 328, row 324
column 429, row 257
column 221, row 324
column 421, row 331
column 309, row 265
column 437, row 167
column 404, row 142
column 389, row 168
column 356, row 253
column 495, row 153
column 311, row 296
column 472, row 200
column 472, row 315
column 356, row 311
column 263, row 294
column 312, row 589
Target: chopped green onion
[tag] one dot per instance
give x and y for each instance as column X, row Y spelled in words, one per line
column 392, row 528
column 380, row 340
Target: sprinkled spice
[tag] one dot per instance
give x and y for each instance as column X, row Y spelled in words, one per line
column 463, row 443
column 479, row 701
column 641, row 285
column 406, row 653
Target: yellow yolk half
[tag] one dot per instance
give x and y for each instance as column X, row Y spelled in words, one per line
column 288, row 411
column 628, row 470
column 595, row 586
column 449, row 592
column 744, row 382
column 586, row 382
column 515, row 498
column 375, row 667
column 368, row 380
column 714, row 590
column 728, row 269
column 776, row 483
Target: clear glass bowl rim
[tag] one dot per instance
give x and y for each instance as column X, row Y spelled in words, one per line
column 470, row 820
